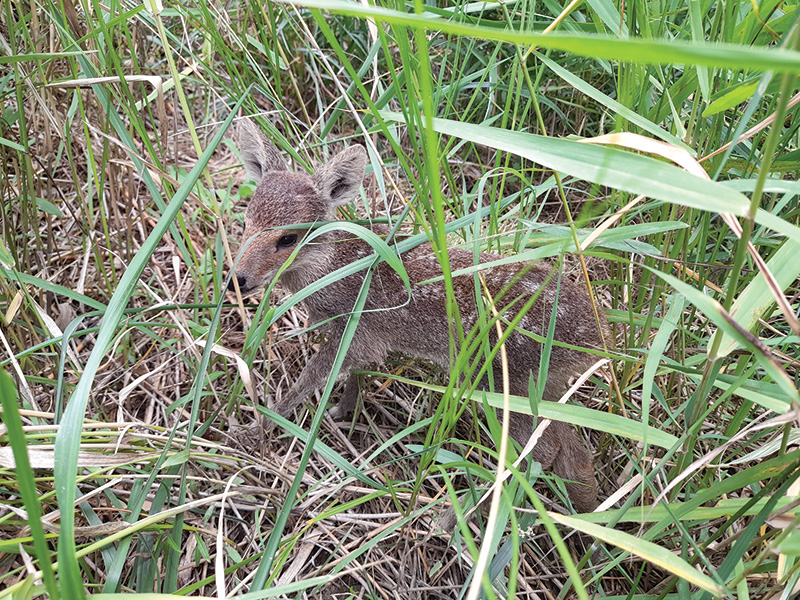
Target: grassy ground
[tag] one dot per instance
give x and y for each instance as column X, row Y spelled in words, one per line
column 122, row 203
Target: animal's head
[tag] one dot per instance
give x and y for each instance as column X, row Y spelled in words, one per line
column 284, row 198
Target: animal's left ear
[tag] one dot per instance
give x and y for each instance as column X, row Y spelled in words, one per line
column 338, row 180
column 259, row 154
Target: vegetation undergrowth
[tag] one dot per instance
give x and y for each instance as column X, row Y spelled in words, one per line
column 648, row 149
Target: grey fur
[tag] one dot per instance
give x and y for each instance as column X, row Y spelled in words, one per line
column 419, row 327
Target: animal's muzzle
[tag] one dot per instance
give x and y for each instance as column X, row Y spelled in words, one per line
column 241, row 280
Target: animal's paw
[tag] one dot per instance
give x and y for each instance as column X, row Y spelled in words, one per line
column 249, row 436
column 339, row 413
column 285, row 405
column 269, row 426
column 447, row 521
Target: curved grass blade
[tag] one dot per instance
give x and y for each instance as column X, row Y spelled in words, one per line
column 714, row 311
column 382, row 251
column 622, row 238
column 755, row 300
column 620, row 169
column 622, row 110
column 263, row 574
column 69, row 435
column 43, row 284
column 577, row 415
column 645, row 550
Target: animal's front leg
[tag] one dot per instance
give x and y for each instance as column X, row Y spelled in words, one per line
column 348, row 400
column 314, row 377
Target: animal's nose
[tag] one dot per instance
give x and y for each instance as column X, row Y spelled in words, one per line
column 241, row 279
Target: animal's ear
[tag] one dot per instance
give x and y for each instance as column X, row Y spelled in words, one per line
column 338, row 180
column 259, row 154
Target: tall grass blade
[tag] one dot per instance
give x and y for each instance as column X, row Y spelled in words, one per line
column 25, row 478
column 69, row 435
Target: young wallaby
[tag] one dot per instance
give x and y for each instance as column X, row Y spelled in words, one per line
column 415, row 326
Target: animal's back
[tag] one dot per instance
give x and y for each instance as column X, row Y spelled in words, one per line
column 416, row 324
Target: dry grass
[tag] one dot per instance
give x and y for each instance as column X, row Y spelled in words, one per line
column 166, row 435
column 139, row 388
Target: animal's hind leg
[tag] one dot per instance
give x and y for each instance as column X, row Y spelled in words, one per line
column 574, row 464
column 562, row 450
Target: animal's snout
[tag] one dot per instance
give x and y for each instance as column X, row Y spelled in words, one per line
column 241, row 280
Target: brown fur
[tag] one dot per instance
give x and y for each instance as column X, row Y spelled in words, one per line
column 416, row 325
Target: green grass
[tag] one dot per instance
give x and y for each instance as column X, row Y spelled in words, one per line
column 121, row 209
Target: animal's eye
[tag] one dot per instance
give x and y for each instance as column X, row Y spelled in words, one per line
column 287, row 241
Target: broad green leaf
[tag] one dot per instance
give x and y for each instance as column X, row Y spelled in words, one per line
column 472, row 7
column 754, row 20
column 791, row 545
column 444, row 457
column 43, row 284
column 586, row 417
column 696, row 24
column 777, row 224
column 737, row 94
column 647, row 551
column 768, row 449
column 779, row 186
column 640, row 51
column 539, row 253
column 604, row 165
column 178, row 458
column 139, row 596
column 571, row 413
column 769, row 395
column 677, row 511
column 48, row 207
column 610, row 16
column 275, row 58
column 12, row 145
column 5, row 258
column 621, row 238
column 35, row 56
column 24, row 475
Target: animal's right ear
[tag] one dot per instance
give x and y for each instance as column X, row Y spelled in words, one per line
column 259, row 154
column 339, row 179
